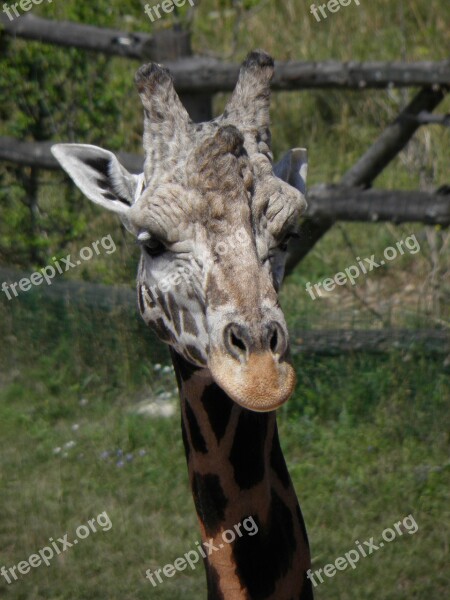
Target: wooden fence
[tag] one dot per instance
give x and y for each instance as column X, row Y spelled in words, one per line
column 198, row 78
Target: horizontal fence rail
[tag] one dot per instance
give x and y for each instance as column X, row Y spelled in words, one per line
column 197, row 74
column 76, row 293
column 98, row 39
column 206, row 75
column 374, row 205
column 337, row 342
column 324, row 201
column 38, row 154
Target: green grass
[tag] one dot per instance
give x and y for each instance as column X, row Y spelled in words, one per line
column 365, row 438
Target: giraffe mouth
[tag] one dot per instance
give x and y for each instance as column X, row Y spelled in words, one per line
column 262, row 383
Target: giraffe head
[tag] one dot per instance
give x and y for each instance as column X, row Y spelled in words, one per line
column 213, row 217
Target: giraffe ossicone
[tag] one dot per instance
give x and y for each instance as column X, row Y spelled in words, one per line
column 201, row 184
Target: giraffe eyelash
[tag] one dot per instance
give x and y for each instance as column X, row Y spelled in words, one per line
column 143, row 237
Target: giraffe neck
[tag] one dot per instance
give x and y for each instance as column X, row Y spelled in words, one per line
column 252, row 528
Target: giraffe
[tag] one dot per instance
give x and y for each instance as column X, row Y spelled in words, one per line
column 214, row 216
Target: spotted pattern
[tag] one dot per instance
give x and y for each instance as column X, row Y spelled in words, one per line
column 210, row 501
column 214, row 591
column 175, row 313
column 247, row 452
column 189, row 324
column 218, row 408
column 271, row 564
column 200, row 185
column 278, row 463
column 266, row 557
column 184, row 370
column 203, row 184
column 187, row 447
column 197, row 439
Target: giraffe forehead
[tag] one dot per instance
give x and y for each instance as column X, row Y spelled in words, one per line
column 219, row 187
column 174, row 213
column 219, row 211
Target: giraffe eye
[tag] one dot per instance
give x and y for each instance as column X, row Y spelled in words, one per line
column 152, row 246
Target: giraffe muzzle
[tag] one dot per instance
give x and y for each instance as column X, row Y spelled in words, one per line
column 253, row 370
column 262, row 383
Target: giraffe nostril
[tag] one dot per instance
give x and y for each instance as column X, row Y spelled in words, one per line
column 275, row 338
column 274, row 341
column 236, row 340
column 240, row 343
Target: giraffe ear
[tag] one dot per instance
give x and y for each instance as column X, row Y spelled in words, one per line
column 293, row 168
column 100, row 176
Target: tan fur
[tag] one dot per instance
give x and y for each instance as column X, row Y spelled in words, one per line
column 261, row 384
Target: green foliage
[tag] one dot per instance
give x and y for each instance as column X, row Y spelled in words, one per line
column 58, row 94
